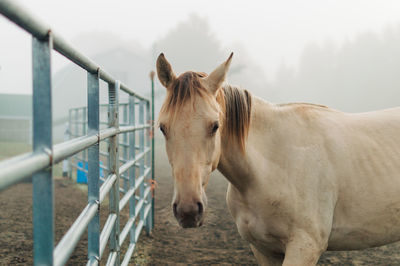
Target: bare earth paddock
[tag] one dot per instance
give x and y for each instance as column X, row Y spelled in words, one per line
column 215, row 243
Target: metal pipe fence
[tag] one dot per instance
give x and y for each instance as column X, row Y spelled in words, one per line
column 134, row 168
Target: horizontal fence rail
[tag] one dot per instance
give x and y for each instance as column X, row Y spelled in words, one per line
column 120, row 148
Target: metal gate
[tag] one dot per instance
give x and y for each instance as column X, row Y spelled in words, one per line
column 135, row 167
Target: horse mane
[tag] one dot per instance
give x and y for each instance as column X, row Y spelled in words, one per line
column 235, row 104
column 237, row 114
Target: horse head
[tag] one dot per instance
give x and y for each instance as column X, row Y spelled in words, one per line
column 191, row 120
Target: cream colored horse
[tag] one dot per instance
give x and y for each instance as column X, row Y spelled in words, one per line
column 303, row 178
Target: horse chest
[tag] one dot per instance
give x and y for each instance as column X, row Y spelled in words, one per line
column 259, row 232
column 263, row 232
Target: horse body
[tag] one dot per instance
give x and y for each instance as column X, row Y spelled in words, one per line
column 325, row 175
column 303, row 178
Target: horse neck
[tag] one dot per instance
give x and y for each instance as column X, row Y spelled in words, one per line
column 235, row 165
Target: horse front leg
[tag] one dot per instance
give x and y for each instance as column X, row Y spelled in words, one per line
column 267, row 258
column 303, row 250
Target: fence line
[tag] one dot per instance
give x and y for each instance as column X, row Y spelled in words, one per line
column 38, row 163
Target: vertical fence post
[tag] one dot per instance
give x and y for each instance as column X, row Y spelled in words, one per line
column 141, row 162
column 124, row 147
column 113, row 121
column 93, row 167
column 153, row 135
column 43, row 225
column 83, row 122
column 65, row 166
column 148, row 164
column 70, row 161
column 76, row 130
column 132, row 170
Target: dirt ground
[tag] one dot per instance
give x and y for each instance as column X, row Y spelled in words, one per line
column 215, row 243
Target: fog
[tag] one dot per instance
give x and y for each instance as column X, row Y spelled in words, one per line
column 362, row 74
column 344, row 54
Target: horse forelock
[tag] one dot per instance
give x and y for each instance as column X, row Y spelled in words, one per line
column 183, row 89
column 235, row 104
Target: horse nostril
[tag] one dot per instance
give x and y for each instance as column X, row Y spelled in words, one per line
column 174, row 209
column 200, row 207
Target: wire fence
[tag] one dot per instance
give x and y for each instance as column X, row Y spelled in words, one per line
column 127, row 156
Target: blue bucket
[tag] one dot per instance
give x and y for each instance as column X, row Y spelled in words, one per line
column 81, row 176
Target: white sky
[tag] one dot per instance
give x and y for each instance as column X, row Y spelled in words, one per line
column 271, row 31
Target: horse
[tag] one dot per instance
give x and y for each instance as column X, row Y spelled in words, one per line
column 303, row 178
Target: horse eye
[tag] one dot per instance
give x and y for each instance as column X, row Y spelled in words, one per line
column 162, row 128
column 214, row 128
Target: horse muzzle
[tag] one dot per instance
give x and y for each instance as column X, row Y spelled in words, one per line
column 189, row 215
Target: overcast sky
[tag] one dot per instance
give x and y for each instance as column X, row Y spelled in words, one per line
column 272, row 32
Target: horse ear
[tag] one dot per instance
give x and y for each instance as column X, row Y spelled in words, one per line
column 164, row 71
column 217, row 77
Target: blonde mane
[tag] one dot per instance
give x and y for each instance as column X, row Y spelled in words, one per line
column 237, row 114
column 235, row 104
